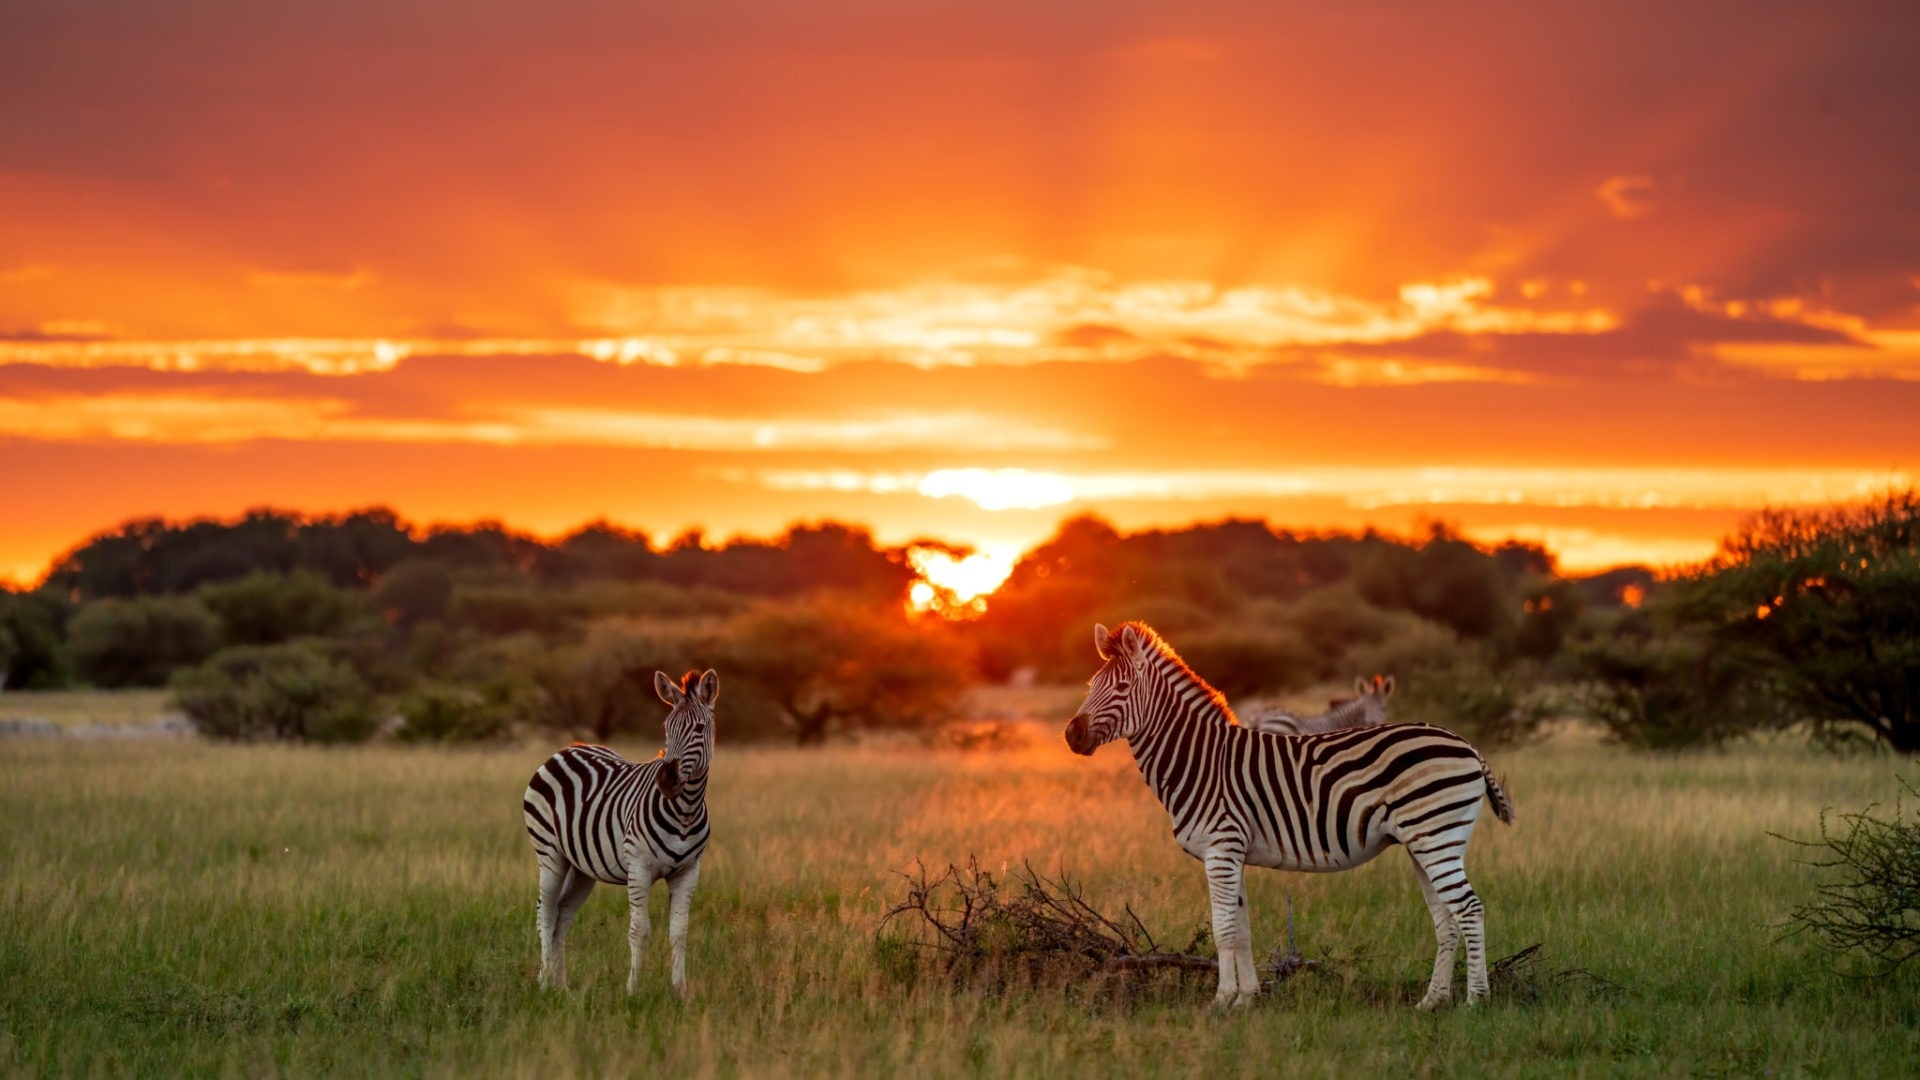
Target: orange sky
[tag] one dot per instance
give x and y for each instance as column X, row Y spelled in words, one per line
column 1606, row 278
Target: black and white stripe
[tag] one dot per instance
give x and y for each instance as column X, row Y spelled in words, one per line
column 595, row 816
column 1314, row 802
column 1367, row 708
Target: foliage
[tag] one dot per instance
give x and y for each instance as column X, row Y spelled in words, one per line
column 437, row 712
column 830, row 662
column 1658, row 686
column 1827, row 599
column 1239, row 659
column 290, row 691
column 415, row 591
column 1445, row 579
column 604, row 687
column 33, row 652
column 142, row 640
column 1458, row 685
column 266, row 609
column 1870, row 900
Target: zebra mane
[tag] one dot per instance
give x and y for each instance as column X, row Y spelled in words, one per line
column 1159, row 644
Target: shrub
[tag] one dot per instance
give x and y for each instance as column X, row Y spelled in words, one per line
column 438, row 712
column 829, row 662
column 141, row 641
column 266, row 609
column 33, row 654
column 1239, row 659
column 1457, row 685
column 604, row 686
column 1870, row 900
column 1672, row 690
column 291, row 691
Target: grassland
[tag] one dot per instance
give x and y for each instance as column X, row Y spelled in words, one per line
column 171, row 907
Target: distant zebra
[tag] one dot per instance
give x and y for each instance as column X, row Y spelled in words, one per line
column 595, row 816
column 1367, row 708
column 1311, row 802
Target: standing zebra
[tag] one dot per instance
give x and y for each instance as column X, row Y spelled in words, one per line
column 595, row 816
column 1311, row 802
column 1368, row 708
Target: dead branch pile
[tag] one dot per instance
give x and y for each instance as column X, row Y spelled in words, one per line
column 1520, row 977
column 976, row 920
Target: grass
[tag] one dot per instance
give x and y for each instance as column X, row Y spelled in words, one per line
column 173, row 907
column 77, row 708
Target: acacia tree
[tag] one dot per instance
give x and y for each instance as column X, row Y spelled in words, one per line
column 1832, row 599
column 831, row 662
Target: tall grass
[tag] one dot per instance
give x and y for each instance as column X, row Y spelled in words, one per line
column 173, row 907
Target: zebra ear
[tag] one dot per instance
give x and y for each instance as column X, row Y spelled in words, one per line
column 707, row 690
column 668, row 690
column 1386, row 686
column 1130, row 641
column 1361, row 685
column 1102, row 642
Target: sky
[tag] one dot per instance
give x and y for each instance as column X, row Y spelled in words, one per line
column 1605, row 277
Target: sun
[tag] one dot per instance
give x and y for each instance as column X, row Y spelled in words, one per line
column 956, row 585
column 999, row 489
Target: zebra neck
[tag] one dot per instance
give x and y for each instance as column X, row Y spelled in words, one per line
column 1346, row 713
column 690, row 802
column 1183, row 709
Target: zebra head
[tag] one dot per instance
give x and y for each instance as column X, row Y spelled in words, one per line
column 1107, row 713
column 689, row 728
column 1373, row 694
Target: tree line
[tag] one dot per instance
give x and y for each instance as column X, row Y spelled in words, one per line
column 279, row 624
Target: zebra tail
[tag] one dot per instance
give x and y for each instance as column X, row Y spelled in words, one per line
column 1496, row 794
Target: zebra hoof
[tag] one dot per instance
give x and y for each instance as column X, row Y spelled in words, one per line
column 1433, row 1001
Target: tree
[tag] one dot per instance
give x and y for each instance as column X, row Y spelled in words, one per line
column 140, row 641
column 829, row 662
column 266, row 609
column 1830, row 598
column 33, row 652
column 292, row 691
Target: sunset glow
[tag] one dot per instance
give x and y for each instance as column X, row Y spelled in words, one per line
column 956, row 586
column 957, row 277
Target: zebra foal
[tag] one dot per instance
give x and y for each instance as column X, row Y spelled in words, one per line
column 594, row 816
column 1317, row 803
column 1367, row 708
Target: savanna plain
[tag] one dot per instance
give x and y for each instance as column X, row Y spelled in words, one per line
column 176, row 907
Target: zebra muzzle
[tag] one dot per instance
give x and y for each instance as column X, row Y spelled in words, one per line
column 1079, row 739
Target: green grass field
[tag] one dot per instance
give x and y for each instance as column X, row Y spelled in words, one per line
column 171, row 907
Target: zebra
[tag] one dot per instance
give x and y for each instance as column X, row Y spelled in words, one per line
column 1367, row 708
column 1317, row 803
column 595, row 816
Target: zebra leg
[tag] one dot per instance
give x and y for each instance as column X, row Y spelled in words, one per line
column 1446, row 934
column 552, row 969
column 1249, row 974
column 679, row 911
column 1226, row 874
column 1447, row 873
column 639, row 925
column 570, row 893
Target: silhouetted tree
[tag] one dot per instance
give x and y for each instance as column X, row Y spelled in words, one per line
column 141, row 640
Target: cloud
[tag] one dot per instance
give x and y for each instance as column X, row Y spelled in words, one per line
column 1629, row 197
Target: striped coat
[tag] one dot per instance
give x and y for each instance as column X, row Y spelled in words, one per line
column 1313, row 802
column 595, row 816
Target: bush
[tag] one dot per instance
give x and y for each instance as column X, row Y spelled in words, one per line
column 1672, row 690
column 1239, row 659
column 141, row 641
column 1870, row 901
column 437, row 712
column 829, row 662
column 33, row 654
column 604, row 686
column 266, row 609
column 289, row 691
column 1457, row 685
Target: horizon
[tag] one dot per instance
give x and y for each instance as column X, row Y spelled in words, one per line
column 959, row 273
